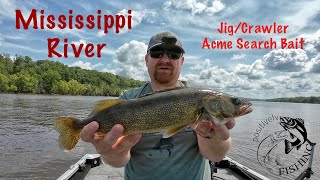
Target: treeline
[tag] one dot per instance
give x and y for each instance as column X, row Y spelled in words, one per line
column 48, row 77
column 312, row 99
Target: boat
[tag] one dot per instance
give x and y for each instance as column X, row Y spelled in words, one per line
column 90, row 167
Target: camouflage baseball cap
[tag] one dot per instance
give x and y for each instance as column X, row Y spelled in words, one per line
column 165, row 39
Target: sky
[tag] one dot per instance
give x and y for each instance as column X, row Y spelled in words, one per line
column 255, row 73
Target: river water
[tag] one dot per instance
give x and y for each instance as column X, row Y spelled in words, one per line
column 29, row 148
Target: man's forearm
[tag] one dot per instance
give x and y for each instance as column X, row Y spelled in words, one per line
column 213, row 149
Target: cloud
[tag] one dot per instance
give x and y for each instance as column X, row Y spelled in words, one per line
column 101, row 33
column 303, row 12
column 285, row 86
column 251, row 80
column 108, row 51
column 81, row 41
column 70, row 32
column 129, row 60
column 82, row 65
column 97, row 65
column 18, row 37
column 237, row 83
column 149, row 15
column 196, row 7
column 253, row 71
column 207, row 75
column 267, row 85
column 313, row 66
column 85, row 65
column 7, row 9
column 303, row 85
column 200, row 66
column 25, row 47
column 280, row 79
column 238, row 56
column 312, row 42
column 300, row 85
column 287, row 60
column 12, row 57
column 131, row 53
column 216, row 7
column 137, row 18
column 276, row 74
column 298, row 75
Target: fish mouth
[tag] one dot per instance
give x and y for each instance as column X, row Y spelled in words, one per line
column 245, row 109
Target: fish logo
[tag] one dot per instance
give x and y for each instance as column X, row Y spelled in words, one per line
column 297, row 133
column 288, row 141
column 165, row 143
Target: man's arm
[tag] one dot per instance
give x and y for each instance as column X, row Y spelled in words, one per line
column 214, row 141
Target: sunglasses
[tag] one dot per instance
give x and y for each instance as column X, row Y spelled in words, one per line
column 158, row 53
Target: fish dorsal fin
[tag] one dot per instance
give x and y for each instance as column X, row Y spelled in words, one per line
column 160, row 91
column 105, row 104
column 172, row 131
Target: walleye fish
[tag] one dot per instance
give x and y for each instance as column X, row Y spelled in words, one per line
column 166, row 111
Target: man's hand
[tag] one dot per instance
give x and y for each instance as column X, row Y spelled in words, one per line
column 214, row 140
column 113, row 147
column 209, row 129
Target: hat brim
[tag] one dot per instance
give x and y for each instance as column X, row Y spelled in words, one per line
column 166, row 46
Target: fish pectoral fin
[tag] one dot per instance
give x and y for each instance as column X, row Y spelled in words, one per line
column 194, row 125
column 105, row 104
column 298, row 147
column 204, row 117
column 292, row 135
column 172, row 131
column 288, row 146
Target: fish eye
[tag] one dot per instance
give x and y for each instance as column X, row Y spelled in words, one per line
column 236, row 101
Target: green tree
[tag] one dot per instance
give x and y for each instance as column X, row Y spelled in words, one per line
column 22, row 63
column 50, row 78
column 4, row 82
column 61, row 87
column 26, row 83
column 76, row 88
column 6, row 64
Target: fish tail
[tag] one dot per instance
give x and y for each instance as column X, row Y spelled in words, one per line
column 69, row 132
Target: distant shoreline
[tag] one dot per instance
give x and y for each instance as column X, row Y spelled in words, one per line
column 308, row 100
column 300, row 99
column 25, row 76
column 54, row 94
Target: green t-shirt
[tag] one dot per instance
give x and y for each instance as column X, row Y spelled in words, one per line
column 154, row 158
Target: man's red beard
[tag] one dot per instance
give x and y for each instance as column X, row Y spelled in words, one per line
column 163, row 72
